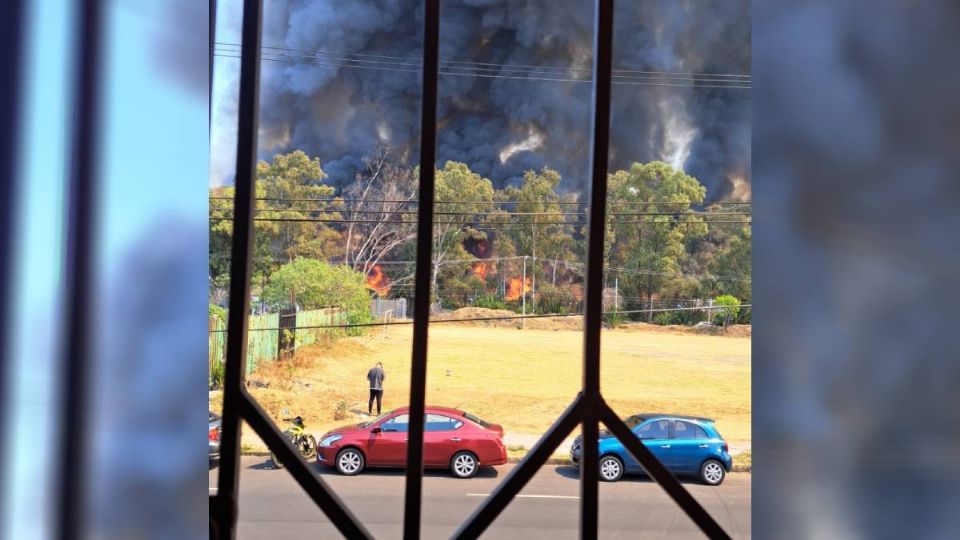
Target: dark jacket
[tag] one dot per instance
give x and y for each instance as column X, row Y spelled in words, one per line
column 376, row 377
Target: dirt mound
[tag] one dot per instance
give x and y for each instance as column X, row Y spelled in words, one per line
column 499, row 318
column 502, row 318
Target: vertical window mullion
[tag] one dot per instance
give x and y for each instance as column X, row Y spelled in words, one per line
column 78, row 266
column 602, row 59
column 421, row 309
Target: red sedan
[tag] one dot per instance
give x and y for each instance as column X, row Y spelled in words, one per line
column 452, row 439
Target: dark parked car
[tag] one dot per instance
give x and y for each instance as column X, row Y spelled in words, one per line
column 686, row 445
column 453, row 439
column 213, row 436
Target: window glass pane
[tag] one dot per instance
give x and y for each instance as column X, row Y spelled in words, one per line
column 686, row 430
column 397, row 423
column 438, row 422
column 658, row 429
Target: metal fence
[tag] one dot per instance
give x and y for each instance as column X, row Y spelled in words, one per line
column 588, row 408
column 396, row 308
column 265, row 340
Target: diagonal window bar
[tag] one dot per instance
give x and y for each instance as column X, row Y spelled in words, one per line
column 484, row 515
column 421, row 307
column 317, row 489
column 661, row 475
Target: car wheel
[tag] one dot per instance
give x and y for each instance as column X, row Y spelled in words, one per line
column 712, row 472
column 611, row 468
column 464, row 465
column 350, row 461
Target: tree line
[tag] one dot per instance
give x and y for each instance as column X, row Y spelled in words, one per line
column 315, row 245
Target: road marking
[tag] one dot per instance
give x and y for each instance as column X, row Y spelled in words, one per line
column 529, row 496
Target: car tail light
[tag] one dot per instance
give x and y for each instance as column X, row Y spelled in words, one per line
column 214, row 434
column 725, row 447
column 496, row 428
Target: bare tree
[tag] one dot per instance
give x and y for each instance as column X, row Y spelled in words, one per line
column 378, row 212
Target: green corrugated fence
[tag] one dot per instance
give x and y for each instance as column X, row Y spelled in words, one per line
column 317, row 317
column 263, row 341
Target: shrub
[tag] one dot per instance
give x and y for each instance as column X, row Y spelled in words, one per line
column 341, row 411
column 615, row 320
column 216, row 375
column 490, row 301
column 726, row 309
column 313, row 284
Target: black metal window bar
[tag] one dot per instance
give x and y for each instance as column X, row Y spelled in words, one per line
column 588, row 408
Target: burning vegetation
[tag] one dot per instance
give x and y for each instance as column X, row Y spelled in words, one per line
column 516, row 287
column 378, row 281
column 482, row 269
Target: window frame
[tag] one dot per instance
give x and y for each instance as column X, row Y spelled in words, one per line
column 588, row 409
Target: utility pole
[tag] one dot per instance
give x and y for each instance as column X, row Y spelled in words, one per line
column 616, row 293
column 523, row 294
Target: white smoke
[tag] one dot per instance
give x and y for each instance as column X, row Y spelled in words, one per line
column 679, row 133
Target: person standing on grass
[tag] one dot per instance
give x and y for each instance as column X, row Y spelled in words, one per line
column 376, row 377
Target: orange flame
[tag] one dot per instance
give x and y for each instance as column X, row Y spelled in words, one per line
column 377, row 281
column 514, row 286
column 482, row 269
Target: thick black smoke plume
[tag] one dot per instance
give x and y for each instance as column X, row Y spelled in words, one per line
column 508, row 120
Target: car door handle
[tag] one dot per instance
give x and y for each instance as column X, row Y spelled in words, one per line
column 664, row 446
column 455, row 439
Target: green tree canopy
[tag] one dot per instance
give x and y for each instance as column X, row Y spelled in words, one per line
column 648, row 237
column 730, row 267
column 313, row 284
column 729, row 308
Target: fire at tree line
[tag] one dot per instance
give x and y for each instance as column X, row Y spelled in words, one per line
column 523, row 246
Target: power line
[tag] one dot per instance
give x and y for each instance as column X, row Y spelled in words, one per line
column 561, row 203
column 481, row 319
column 494, row 212
column 478, row 225
column 415, row 62
column 478, row 72
column 543, row 260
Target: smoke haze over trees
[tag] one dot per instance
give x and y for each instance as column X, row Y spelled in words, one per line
column 340, row 78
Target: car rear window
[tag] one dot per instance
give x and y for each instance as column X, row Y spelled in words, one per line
column 476, row 420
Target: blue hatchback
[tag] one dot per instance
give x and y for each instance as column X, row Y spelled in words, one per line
column 686, row 445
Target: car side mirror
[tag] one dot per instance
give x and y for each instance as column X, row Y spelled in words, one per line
column 376, row 430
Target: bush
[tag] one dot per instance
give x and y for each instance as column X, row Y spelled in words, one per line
column 615, row 320
column 341, row 411
column 726, row 309
column 490, row 301
column 216, row 375
column 313, row 284
column 217, row 312
column 665, row 318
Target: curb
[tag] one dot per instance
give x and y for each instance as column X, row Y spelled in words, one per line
column 513, row 460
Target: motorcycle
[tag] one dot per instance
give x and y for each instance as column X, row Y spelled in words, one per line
column 300, row 439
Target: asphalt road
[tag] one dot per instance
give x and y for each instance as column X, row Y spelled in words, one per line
column 272, row 505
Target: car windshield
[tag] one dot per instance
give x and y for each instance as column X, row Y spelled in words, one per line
column 476, row 420
column 633, row 421
column 375, row 420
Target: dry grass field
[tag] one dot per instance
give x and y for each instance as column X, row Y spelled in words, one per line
column 522, row 379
